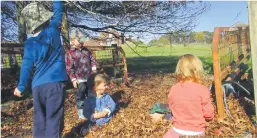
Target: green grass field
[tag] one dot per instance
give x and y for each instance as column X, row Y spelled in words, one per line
column 201, row 50
column 164, row 59
column 155, row 58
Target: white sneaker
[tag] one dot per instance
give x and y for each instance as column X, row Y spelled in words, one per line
column 80, row 113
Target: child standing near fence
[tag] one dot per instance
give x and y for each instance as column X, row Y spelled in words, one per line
column 99, row 106
column 189, row 100
column 80, row 64
column 45, row 51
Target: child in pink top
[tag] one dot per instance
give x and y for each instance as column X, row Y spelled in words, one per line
column 189, row 100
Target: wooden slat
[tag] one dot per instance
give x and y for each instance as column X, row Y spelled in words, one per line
column 111, row 65
column 16, row 48
column 11, row 45
column 11, row 51
column 95, row 48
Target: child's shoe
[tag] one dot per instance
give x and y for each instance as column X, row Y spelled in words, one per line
column 84, row 130
column 95, row 128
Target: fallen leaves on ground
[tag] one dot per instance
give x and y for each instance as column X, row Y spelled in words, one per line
column 132, row 118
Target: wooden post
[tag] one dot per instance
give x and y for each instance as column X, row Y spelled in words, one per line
column 244, row 40
column 115, row 57
column 248, row 39
column 217, row 77
column 122, row 38
column 239, row 41
column 21, row 23
column 125, row 69
column 252, row 11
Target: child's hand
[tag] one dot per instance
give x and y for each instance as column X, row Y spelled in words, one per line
column 75, row 84
column 17, row 92
column 97, row 115
column 156, row 117
column 100, row 114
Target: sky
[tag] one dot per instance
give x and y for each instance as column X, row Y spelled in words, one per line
column 220, row 14
column 223, row 14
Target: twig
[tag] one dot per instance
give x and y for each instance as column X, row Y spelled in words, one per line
column 85, row 10
column 134, row 50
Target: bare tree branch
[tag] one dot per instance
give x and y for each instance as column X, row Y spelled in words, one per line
column 150, row 17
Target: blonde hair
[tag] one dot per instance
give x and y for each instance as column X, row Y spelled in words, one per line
column 189, row 68
column 99, row 79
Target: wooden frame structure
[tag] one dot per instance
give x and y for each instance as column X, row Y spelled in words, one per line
column 230, row 47
column 117, row 54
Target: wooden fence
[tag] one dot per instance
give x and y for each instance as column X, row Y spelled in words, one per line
column 110, row 58
column 231, row 49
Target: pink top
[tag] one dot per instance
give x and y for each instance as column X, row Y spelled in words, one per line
column 190, row 104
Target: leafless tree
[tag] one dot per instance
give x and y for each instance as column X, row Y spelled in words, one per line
column 126, row 17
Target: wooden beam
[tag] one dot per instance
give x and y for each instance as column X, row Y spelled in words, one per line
column 8, row 45
column 125, row 69
column 217, row 71
column 11, row 51
column 110, row 65
column 96, row 48
column 252, row 12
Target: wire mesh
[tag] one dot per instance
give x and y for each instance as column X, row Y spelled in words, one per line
column 111, row 59
column 232, row 44
column 10, row 60
column 106, row 56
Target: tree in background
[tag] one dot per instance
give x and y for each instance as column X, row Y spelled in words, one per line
column 188, row 37
column 153, row 42
column 163, row 41
column 137, row 42
column 199, row 37
column 208, row 37
column 128, row 17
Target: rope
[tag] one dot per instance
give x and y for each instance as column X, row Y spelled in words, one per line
column 225, row 101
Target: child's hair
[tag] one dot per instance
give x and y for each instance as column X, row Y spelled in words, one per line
column 189, row 68
column 100, row 78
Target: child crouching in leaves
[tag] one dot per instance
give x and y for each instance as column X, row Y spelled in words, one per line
column 98, row 107
column 189, row 100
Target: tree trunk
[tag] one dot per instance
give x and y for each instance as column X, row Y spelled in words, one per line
column 65, row 30
column 21, row 23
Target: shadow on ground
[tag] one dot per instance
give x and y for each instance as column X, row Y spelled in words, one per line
column 151, row 65
column 164, row 64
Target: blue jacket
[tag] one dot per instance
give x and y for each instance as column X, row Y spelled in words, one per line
column 93, row 103
column 46, row 52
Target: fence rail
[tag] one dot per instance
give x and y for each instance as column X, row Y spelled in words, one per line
column 107, row 57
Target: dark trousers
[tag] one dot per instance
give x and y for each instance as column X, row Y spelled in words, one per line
column 82, row 93
column 48, row 110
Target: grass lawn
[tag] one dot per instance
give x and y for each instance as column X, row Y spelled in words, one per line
column 164, row 59
column 154, row 58
column 201, row 50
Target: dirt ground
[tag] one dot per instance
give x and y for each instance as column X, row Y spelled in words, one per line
column 131, row 118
